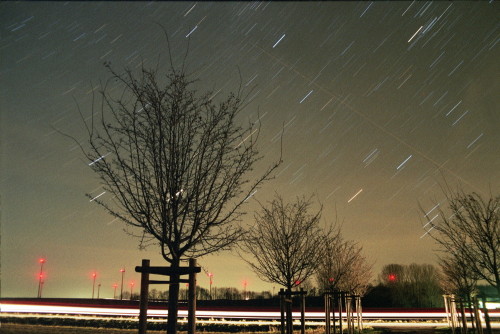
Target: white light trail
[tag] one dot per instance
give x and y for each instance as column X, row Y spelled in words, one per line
column 430, row 221
column 369, row 155
column 249, row 196
column 427, row 232
column 456, row 105
column 408, row 8
column 435, row 206
column 353, row 197
column 415, row 34
column 98, row 159
column 475, row 140
column 401, row 165
column 62, row 311
column 371, row 3
column 453, row 71
column 249, row 82
column 97, row 196
column 189, row 11
column 305, row 97
column 245, row 139
column 326, row 104
column 408, row 77
column 279, row 40
column 460, row 118
column 196, row 27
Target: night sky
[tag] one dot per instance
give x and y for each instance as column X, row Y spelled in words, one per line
column 380, row 104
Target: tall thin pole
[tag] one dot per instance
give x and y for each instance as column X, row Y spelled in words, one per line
column 121, row 289
column 192, row 298
column 302, row 311
column 40, row 278
column 98, row 290
column 143, row 299
column 210, row 275
column 93, row 284
column 282, row 310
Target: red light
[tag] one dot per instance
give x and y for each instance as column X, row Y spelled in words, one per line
column 331, row 280
column 122, row 270
column 392, row 277
column 94, row 275
column 297, row 282
column 42, row 260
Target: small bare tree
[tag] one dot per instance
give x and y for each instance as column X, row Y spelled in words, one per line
column 470, row 233
column 359, row 276
column 176, row 165
column 343, row 267
column 285, row 243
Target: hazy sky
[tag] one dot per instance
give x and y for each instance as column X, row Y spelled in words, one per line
column 380, row 102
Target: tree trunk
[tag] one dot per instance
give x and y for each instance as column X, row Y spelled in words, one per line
column 173, row 301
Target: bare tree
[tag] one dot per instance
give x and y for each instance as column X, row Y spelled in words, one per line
column 359, row 276
column 176, row 165
column 470, row 233
column 343, row 266
column 285, row 243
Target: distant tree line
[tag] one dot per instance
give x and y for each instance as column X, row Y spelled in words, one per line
column 414, row 285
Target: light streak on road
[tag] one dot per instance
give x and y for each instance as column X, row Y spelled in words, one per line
column 250, row 316
column 200, row 313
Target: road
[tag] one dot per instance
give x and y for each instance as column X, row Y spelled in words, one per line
column 382, row 318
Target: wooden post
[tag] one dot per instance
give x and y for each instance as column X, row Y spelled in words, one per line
column 332, row 303
column 288, row 311
column 348, row 304
column 446, row 309
column 327, row 313
column 192, row 298
column 359, row 313
column 302, row 311
column 143, row 303
column 282, row 309
column 341, row 330
column 453, row 309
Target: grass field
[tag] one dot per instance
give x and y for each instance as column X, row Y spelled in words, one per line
column 10, row 328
